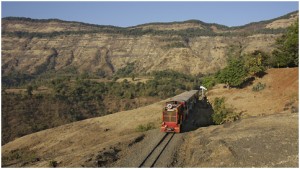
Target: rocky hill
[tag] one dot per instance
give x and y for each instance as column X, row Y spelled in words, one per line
column 34, row 46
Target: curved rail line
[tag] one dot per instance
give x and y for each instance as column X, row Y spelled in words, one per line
column 155, row 153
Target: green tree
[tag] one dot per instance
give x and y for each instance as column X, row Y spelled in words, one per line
column 126, row 71
column 208, row 81
column 286, row 53
column 255, row 63
column 234, row 74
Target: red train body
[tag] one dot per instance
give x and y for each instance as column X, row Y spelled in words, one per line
column 176, row 111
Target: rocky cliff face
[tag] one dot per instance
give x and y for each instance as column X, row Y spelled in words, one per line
column 37, row 46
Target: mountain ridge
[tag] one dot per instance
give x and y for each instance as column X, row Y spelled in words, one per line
column 150, row 23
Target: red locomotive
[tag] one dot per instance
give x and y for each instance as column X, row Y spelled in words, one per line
column 177, row 109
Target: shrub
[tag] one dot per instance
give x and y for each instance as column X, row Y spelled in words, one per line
column 222, row 114
column 53, row 163
column 258, row 87
column 234, row 74
column 255, row 62
column 126, row 71
column 146, row 127
column 23, row 155
column 208, row 81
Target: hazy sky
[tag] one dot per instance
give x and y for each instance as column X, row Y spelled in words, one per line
column 133, row 13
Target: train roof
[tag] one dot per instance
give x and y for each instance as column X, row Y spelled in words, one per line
column 185, row 96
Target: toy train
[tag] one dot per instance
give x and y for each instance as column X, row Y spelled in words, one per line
column 176, row 111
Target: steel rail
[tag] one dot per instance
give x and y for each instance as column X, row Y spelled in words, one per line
column 157, row 145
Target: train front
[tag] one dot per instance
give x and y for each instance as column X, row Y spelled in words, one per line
column 171, row 118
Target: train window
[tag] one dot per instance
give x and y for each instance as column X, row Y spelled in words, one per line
column 169, row 116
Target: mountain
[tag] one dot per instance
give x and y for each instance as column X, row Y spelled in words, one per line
column 34, row 46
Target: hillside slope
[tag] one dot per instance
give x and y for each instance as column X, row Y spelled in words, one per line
column 107, row 141
column 106, row 53
column 72, row 144
column 269, row 141
column 38, row 46
column 280, row 93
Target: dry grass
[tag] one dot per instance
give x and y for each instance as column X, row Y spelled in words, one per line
column 135, row 81
column 40, row 90
column 281, row 86
column 72, row 143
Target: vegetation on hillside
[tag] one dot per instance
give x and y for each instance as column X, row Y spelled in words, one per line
column 190, row 32
column 73, row 98
column 223, row 114
column 23, row 155
column 188, row 21
column 234, row 74
column 145, row 127
column 126, row 71
column 241, row 69
column 258, row 87
column 287, row 52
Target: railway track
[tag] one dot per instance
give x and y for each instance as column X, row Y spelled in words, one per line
column 155, row 153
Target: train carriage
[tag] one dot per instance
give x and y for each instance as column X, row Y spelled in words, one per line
column 177, row 109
